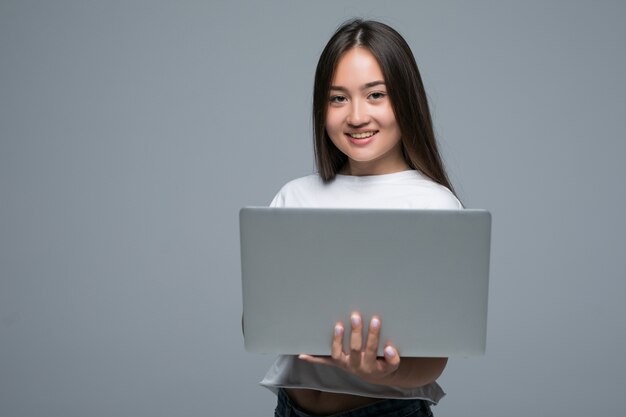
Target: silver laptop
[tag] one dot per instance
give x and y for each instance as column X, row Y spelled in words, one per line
column 424, row 272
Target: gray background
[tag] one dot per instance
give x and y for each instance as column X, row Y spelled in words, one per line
column 132, row 132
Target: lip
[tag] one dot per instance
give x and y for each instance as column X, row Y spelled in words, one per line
column 361, row 142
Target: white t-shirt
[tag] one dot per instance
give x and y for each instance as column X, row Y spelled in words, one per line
column 406, row 189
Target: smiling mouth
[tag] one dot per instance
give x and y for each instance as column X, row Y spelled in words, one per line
column 363, row 135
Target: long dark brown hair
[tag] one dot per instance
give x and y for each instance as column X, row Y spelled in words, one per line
column 406, row 93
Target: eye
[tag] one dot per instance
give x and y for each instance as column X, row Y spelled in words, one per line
column 338, row 99
column 377, row 95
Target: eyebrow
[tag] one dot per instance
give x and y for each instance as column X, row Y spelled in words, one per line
column 364, row 87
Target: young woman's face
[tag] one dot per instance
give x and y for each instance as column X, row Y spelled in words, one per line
column 360, row 120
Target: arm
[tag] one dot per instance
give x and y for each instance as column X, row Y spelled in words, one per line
column 388, row 370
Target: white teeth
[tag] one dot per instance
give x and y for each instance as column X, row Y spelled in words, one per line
column 361, row 135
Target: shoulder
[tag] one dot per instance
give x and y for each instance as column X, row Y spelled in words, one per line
column 422, row 192
column 443, row 199
column 296, row 190
column 303, row 183
column 437, row 196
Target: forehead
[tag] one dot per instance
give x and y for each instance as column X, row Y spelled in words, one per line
column 357, row 66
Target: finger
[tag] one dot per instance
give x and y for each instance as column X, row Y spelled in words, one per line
column 356, row 337
column 321, row 360
column 392, row 359
column 371, row 347
column 337, row 346
column 356, row 340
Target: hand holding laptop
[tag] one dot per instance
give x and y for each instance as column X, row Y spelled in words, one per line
column 362, row 358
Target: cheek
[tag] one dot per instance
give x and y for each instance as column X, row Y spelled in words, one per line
column 333, row 122
column 387, row 119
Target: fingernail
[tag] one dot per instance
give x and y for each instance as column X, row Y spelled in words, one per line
column 389, row 351
column 338, row 330
column 356, row 320
column 375, row 323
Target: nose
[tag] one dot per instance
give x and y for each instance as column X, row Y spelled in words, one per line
column 357, row 115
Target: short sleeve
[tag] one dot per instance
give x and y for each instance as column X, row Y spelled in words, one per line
column 444, row 201
column 279, row 200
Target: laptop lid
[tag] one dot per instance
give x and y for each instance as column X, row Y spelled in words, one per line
column 424, row 272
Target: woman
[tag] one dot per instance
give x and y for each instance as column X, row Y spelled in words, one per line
column 374, row 148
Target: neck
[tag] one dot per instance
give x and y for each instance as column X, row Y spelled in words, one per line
column 361, row 169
